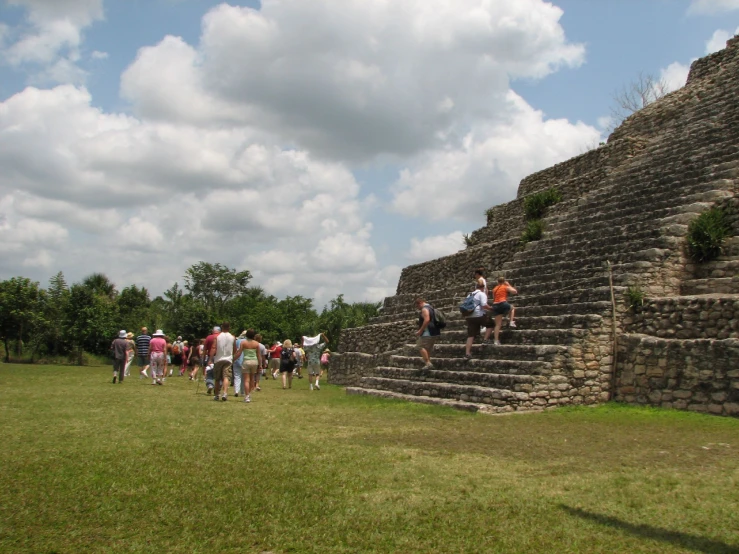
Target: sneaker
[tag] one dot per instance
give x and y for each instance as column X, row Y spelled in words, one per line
column 216, row 398
column 497, row 343
column 209, row 391
column 317, row 387
column 426, row 367
column 468, row 356
column 485, row 342
column 114, row 379
column 258, row 389
column 512, row 324
column 247, row 399
column 300, row 376
column 311, row 386
column 224, row 397
column 236, row 394
column 159, row 382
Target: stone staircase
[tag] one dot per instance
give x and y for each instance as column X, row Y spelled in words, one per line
column 622, row 224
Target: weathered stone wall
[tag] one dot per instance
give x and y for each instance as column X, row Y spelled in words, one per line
column 685, row 317
column 711, row 64
column 374, row 339
column 455, row 269
column 587, row 169
column 696, row 375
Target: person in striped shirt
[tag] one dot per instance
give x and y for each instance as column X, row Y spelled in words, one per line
column 142, row 350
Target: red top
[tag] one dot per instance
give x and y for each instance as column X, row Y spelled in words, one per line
column 275, row 352
column 209, row 340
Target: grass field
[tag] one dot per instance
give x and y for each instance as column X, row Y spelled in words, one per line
column 88, row 466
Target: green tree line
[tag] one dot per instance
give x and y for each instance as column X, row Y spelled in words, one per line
column 63, row 320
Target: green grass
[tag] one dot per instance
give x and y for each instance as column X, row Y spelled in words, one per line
column 87, row 466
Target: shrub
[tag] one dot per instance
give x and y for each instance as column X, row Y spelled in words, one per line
column 535, row 204
column 468, row 241
column 635, row 296
column 706, row 234
column 533, row 231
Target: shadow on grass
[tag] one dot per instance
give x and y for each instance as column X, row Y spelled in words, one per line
column 683, row 540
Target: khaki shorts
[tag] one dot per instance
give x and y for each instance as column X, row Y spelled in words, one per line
column 427, row 343
column 274, row 364
column 222, row 370
column 314, row 369
column 251, row 367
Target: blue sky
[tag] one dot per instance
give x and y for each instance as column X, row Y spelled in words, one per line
column 321, row 144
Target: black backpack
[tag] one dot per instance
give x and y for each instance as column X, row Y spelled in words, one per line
column 286, row 358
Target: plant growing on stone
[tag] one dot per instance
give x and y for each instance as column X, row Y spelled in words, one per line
column 535, row 204
column 635, row 296
column 706, row 234
column 533, row 231
column 468, row 241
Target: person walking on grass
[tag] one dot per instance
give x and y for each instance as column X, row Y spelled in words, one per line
column 210, row 341
column 142, row 349
column 299, row 359
column 478, row 317
column 313, row 346
column 500, row 308
column 130, row 353
column 262, row 365
column 427, row 332
column 158, row 357
column 249, row 349
column 119, row 347
column 275, row 354
column 237, row 368
column 197, row 357
column 186, row 353
column 287, row 363
column 222, row 354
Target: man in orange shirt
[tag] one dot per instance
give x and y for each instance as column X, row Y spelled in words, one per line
column 501, row 307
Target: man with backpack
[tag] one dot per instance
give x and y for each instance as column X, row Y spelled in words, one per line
column 475, row 308
column 428, row 331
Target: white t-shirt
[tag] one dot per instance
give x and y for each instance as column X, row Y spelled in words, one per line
column 481, row 299
column 224, row 347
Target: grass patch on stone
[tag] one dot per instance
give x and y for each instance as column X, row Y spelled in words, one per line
column 88, row 466
column 707, row 233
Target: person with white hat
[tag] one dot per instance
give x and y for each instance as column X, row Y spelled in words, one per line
column 158, row 357
column 119, row 347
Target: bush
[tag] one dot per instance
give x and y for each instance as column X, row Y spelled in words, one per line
column 635, row 296
column 535, row 204
column 706, row 235
column 533, row 231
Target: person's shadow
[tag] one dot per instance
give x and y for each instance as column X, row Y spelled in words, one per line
column 683, row 540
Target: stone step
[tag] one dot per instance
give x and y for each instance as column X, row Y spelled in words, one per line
column 450, row 391
column 511, row 336
column 599, row 307
column 456, row 321
column 540, row 254
column 524, row 352
column 490, row 365
column 595, row 216
column 633, row 231
column 512, row 382
column 620, row 197
column 726, row 285
column 724, row 266
column 456, row 404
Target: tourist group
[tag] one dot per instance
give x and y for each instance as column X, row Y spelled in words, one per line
column 482, row 309
column 222, row 358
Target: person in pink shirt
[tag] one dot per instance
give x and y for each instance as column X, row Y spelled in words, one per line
column 158, row 357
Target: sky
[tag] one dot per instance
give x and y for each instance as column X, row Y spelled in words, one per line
column 321, row 144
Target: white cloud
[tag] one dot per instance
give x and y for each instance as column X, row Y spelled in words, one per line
column 352, row 79
column 50, row 38
column 718, row 40
column 430, row 248
column 98, row 55
column 712, row 6
column 675, row 75
column 486, row 168
column 143, row 200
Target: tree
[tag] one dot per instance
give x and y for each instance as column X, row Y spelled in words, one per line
column 215, row 285
column 99, row 284
column 56, row 305
column 639, row 93
column 340, row 315
column 91, row 319
column 133, row 307
column 21, row 310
